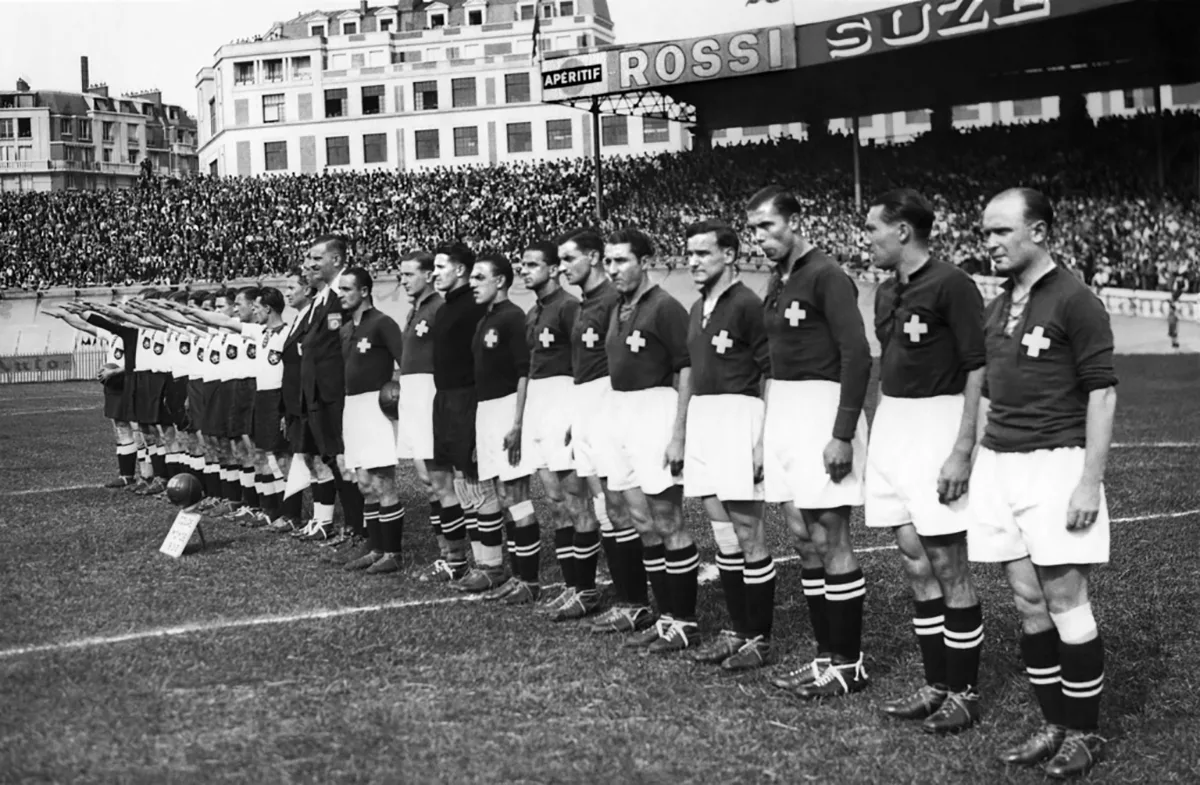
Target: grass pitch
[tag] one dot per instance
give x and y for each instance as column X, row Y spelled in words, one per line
column 280, row 668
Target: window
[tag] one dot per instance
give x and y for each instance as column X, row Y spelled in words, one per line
column 131, row 133
column 1129, row 99
column 374, row 148
column 453, row 53
column 106, row 155
column 548, row 11
column 24, row 128
column 273, row 70
column 516, row 88
column 583, row 41
column 655, row 130
column 1030, row 108
column 527, row 11
column 372, row 99
column 754, row 130
column 865, row 122
column 317, row 30
column 969, row 112
column 520, row 137
column 272, row 106
column 437, row 20
column 212, row 119
column 917, row 117
column 463, row 92
column 335, row 102
column 301, row 68
column 276, row 156
column 558, row 135
column 212, row 169
column 6, row 129
column 385, row 25
column 425, row 96
column 65, row 126
column 133, row 156
column 466, row 141
column 614, row 131
column 427, row 144
column 566, row 8
column 106, row 129
column 474, row 17
column 719, row 133
column 358, row 60
column 243, row 73
column 349, row 28
column 337, row 62
column 337, row 151
column 85, row 130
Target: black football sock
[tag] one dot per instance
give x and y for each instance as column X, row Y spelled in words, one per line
column 564, row 551
column 527, row 544
column 126, row 460
column 352, row 504
column 391, row 527
column 813, row 583
column 759, row 579
column 845, row 594
column 454, row 529
column 587, row 555
column 729, row 568
column 964, row 641
column 1082, row 683
column 633, row 566
column 929, row 619
column 491, row 540
column 158, row 462
column 510, row 542
column 372, row 525
column 1041, row 655
column 683, row 572
column 435, row 519
column 654, row 560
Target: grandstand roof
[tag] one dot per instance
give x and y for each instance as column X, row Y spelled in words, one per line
column 916, row 55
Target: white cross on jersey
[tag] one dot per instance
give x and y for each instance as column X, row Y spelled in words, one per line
column 364, row 346
column 491, row 339
column 590, row 337
column 422, row 328
column 795, row 314
column 722, row 342
column 547, row 338
column 915, row 328
column 635, row 341
column 1035, row 342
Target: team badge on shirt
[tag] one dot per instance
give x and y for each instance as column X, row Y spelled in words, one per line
column 231, row 352
column 915, row 328
column 795, row 314
column 214, row 357
column 118, row 353
column 252, row 351
column 158, row 348
column 146, row 342
column 422, row 328
column 635, row 341
column 364, row 346
column 274, row 357
column 185, row 347
column 333, row 321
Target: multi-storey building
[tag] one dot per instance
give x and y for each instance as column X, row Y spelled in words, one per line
column 51, row 140
column 410, row 86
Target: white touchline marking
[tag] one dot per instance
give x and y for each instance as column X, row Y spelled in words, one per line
column 32, row 491
column 710, row 575
column 52, row 411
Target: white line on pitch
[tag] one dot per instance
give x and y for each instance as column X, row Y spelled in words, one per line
column 1154, row 445
column 50, row 411
column 260, row 621
column 32, row 491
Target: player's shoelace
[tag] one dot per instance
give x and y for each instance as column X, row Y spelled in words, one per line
column 954, row 701
column 751, row 645
column 1074, row 742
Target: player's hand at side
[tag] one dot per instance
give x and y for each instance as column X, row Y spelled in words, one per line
column 839, row 459
column 954, row 477
column 567, row 440
column 758, row 462
column 1084, row 508
column 673, row 457
column 512, row 445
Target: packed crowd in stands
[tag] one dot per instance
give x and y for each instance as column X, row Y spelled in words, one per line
column 1116, row 227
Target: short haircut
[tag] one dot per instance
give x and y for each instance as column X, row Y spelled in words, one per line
column 178, row 297
column 149, row 294
column 905, row 204
column 639, row 241
column 296, row 271
column 585, row 239
column 547, row 249
column 779, row 198
column 222, row 292
column 727, row 238
column 501, row 266
column 459, row 253
column 272, row 298
column 333, row 242
column 198, row 297
column 249, row 293
column 362, row 278
column 423, row 258
column 211, row 297
column 1037, row 206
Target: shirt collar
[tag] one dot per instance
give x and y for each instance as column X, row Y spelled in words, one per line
column 1049, row 275
column 555, row 295
column 461, row 291
column 603, row 288
column 644, row 294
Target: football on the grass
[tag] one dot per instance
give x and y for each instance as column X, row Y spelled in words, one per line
column 389, row 399
column 184, row 490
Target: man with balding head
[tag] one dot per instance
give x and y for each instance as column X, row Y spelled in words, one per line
column 1037, row 485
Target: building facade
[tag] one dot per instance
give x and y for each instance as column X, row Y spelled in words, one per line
column 407, row 87
column 53, row 140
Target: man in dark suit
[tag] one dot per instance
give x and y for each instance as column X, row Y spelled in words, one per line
column 323, row 391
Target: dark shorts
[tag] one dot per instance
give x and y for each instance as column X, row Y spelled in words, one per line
column 266, row 433
column 241, row 409
column 201, row 405
column 216, row 418
column 454, row 429
column 195, row 404
column 175, row 401
column 323, row 425
column 118, row 400
column 296, row 433
column 148, row 391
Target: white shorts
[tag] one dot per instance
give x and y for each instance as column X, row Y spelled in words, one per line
column 642, row 423
column 414, row 428
column 591, row 428
column 1019, row 506
column 718, row 454
column 800, row 418
column 549, row 404
column 493, row 421
column 368, row 435
column 911, row 439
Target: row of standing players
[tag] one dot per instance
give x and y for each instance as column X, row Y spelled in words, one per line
column 988, row 444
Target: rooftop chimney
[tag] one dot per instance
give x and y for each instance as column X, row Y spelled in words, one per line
column 22, row 86
column 362, row 7
column 83, row 73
